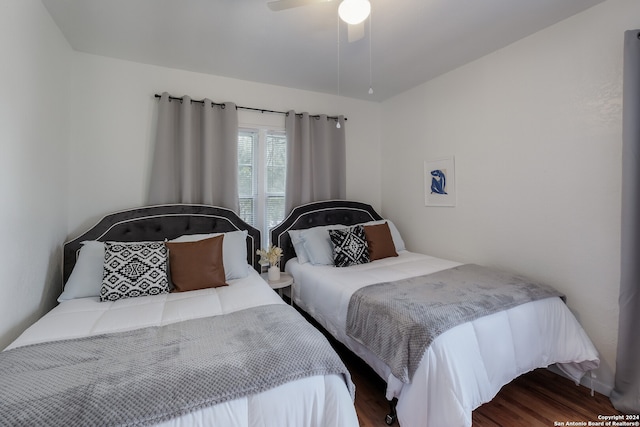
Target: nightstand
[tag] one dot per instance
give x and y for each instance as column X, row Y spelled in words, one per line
column 285, row 281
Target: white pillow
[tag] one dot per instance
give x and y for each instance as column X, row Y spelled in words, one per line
column 234, row 251
column 298, row 245
column 86, row 278
column 317, row 243
column 395, row 234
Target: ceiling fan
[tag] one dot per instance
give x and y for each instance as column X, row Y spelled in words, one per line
column 353, row 12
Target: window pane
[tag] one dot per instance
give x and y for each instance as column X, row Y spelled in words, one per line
column 274, row 211
column 247, row 143
column 276, row 180
column 276, row 149
column 247, row 211
column 246, row 147
column 276, row 158
column 262, row 161
column 245, row 181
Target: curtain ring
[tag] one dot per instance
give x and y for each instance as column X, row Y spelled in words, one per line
column 223, row 106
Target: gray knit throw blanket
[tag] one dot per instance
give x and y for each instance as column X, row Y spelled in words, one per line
column 154, row 374
column 398, row 320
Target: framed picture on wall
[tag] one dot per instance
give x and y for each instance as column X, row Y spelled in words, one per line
column 440, row 182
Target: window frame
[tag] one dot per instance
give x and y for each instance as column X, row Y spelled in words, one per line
column 259, row 184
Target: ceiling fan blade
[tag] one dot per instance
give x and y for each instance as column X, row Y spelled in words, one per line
column 278, row 5
column 355, row 32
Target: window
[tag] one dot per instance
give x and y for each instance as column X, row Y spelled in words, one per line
column 262, row 161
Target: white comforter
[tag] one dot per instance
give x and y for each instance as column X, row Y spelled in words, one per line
column 465, row 366
column 314, row 401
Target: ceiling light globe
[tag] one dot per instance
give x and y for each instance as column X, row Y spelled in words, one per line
column 354, row 11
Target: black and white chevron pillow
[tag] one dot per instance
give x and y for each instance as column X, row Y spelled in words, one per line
column 134, row 269
column 349, row 246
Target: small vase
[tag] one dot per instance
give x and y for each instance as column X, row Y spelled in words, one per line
column 274, row 273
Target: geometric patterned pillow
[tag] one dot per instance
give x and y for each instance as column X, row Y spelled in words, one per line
column 349, row 246
column 134, row 269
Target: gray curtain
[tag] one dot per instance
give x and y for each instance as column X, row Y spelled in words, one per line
column 316, row 159
column 626, row 393
column 195, row 158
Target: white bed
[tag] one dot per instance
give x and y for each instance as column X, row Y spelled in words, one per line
column 319, row 400
column 465, row 366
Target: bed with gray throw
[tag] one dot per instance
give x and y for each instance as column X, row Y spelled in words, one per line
column 444, row 336
column 165, row 320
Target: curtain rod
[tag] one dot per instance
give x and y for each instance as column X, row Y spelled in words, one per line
column 262, row 110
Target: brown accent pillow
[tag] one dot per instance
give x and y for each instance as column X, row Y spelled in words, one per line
column 380, row 241
column 196, row 265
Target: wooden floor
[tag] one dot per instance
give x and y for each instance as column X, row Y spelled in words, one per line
column 539, row 398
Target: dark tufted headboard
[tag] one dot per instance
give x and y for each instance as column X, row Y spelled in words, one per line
column 314, row 214
column 157, row 223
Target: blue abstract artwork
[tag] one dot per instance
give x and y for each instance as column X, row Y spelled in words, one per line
column 438, row 182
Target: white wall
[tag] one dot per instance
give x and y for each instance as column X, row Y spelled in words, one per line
column 536, row 133
column 113, row 124
column 33, row 142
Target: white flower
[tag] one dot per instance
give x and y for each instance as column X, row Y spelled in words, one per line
column 271, row 256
